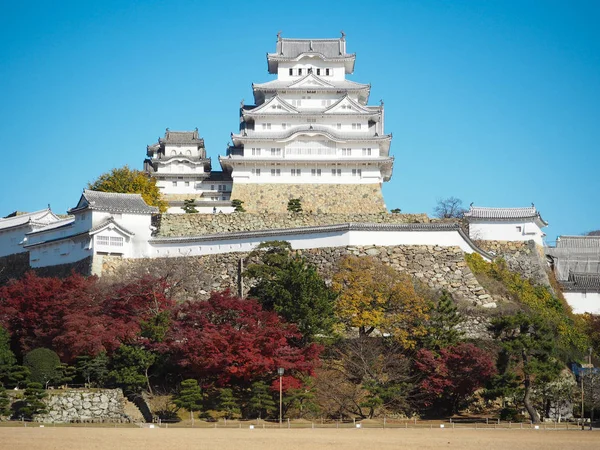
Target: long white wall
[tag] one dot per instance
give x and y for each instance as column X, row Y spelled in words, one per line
column 175, row 248
column 583, row 302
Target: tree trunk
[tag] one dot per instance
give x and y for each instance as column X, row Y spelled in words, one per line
column 535, row 418
column 148, row 381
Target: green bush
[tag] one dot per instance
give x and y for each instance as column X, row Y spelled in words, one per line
column 44, row 365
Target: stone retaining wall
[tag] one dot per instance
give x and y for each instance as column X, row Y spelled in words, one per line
column 525, row 258
column 83, row 405
column 201, row 224
column 316, row 198
column 437, row 267
column 15, row 266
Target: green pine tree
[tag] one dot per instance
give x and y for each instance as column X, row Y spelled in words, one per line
column 189, row 397
column 238, row 205
column 11, row 374
column 94, row 371
column 32, row 402
column 294, row 205
column 4, row 402
column 442, row 329
column 189, row 206
column 228, row 404
column 261, row 400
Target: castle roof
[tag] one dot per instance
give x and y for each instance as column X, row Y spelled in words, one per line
column 324, row 49
column 40, row 218
column 113, row 202
column 177, row 138
column 578, row 242
column 503, row 214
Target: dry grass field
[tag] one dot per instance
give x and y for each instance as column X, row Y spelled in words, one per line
column 66, row 438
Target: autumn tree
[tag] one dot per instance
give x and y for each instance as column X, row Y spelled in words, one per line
column 453, row 374
column 364, row 376
column 527, row 346
column 373, row 296
column 229, row 340
column 449, row 208
column 127, row 181
column 293, row 289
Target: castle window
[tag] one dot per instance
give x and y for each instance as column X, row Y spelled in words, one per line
column 188, row 152
column 275, row 172
column 266, row 126
column 356, row 126
column 315, row 172
column 275, row 152
column 296, row 102
column 519, row 229
column 256, row 152
column 346, row 152
column 256, row 172
column 299, row 71
column 327, row 72
column 296, row 172
column 356, row 172
column 174, row 183
column 311, row 120
column 187, row 183
column 291, row 72
column 318, row 71
column 310, row 70
column 366, row 152
column 338, row 126
column 336, row 172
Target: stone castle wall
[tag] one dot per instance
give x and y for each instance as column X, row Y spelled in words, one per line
column 84, row 405
column 202, row 224
column 437, row 267
column 523, row 257
column 316, row 198
column 15, row 266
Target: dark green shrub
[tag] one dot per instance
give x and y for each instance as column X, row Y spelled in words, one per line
column 44, row 365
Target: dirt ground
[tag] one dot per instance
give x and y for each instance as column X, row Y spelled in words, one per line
column 307, row 439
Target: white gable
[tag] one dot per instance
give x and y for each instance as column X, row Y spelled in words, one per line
column 275, row 105
column 311, row 80
column 347, row 105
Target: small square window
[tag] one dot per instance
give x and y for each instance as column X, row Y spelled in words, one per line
column 174, row 183
column 519, row 229
column 187, row 183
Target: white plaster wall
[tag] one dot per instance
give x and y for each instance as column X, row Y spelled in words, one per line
column 61, row 252
column 337, row 72
column 139, row 224
column 583, row 302
column 314, row 240
column 181, row 150
column 506, row 231
column 369, row 174
column 10, row 240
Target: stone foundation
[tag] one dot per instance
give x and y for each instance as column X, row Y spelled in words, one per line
column 523, row 257
column 198, row 276
column 201, row 224
column 84, row 405
column 315, row 198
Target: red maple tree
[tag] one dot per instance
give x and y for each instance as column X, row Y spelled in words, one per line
column 453, row 374
column 227, row 339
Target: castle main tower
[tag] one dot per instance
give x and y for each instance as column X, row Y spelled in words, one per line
column 310, row 135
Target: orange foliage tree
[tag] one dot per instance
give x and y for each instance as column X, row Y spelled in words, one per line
column 373, row 296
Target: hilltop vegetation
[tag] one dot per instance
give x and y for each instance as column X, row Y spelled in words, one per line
column 372, row 342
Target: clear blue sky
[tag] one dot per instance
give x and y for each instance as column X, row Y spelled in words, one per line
column 494, row 102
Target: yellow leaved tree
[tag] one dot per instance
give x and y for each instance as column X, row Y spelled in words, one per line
column 374, row 297
column 127, row 181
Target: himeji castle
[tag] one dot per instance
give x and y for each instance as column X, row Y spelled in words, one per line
column 310, row 135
